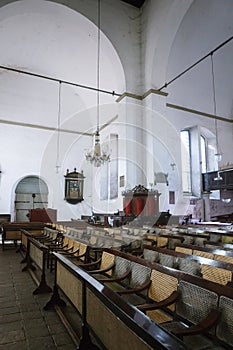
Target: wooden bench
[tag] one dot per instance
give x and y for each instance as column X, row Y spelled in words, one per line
column 36, row 254
column 11, row 232
column 105, row 314
column 202, row 313
column 208, row 268
column 123, row 273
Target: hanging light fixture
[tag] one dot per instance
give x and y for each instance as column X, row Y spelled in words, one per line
column 218, row 155
column 57, row 166
column 98, row 157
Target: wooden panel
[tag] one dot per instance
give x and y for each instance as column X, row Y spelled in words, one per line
column 36, row 255
column 109, row 328
column 70, row 285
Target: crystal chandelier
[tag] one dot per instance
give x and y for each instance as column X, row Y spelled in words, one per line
column 96, row 156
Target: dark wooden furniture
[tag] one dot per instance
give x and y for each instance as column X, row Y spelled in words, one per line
column 141, row 201
column 211, row 182
column 12, row 231
column 5, row 218
column 114, row 322
column 43, row 215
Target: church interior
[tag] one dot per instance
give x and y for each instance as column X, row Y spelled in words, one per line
column 116, row 177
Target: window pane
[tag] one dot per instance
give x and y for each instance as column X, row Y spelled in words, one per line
column 203, row 155
column 185, row 160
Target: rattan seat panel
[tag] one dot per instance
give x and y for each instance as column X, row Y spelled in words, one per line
column 188, row 240
column 93, row 240
column 172, row 242
column 215, row 274
column 106, row 261
column 224, row 330
column 153, row 237
column 159, row 316
column 184, row 250
column 121, row 266
column 195, row 302
column 212, row 246
column 166, row 260
column 150, row 255
column 76, row 247
column 136, row 244
column 203, row 254
column 162, row 286
column 189, row 266
column 162, row 241
column 214, row 237
column 139, row 275
column 227, row 259
column 199, row 241
column 82, row 250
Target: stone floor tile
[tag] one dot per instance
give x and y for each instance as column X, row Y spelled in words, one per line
column 11, row 337
column 19, row 345
column 10, row 318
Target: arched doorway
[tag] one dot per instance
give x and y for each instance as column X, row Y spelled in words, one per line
column 31, row 193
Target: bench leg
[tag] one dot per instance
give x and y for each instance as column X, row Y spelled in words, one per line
column 43, row 287
column 55, row 300
column 85, row 342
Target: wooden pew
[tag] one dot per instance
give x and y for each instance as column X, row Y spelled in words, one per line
column 209, row 268
column 115, row 323
column 36, row 254
column 202, row 311
column 12, row 231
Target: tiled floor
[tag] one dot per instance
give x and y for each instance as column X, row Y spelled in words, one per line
column 24, row 325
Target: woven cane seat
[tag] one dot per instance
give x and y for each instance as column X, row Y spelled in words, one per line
column 107, row 260
column 162, row 286
column 162, row 241
column 195, row 302
column 184, row 250
column 150, row 255
column 224, row 258
column 166, row 260
column 159, row 316
column 216, row 274
column 224, row 330
column 203, row 254
column 82, row 250
column 188, row 240
column 140, row 274
column 189, row 266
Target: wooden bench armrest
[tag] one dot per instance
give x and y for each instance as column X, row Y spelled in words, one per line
column 56, row 245
column 67, row 252
column 163, row 303
column 94, row 263
column 201, row 327
column 77, row 257
column 116, row 279
column 135, row 290
column 108, row 268
column 60, row 248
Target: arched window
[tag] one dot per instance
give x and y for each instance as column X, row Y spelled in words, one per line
column 203, row 154
column 197, row 156
column 186, row 161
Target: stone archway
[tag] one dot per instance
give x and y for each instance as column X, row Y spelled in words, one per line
column 31, row 193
